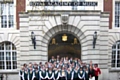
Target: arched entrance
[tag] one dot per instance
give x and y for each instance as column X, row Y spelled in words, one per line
column 64, row 44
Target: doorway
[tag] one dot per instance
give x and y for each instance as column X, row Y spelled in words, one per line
column 64, row 45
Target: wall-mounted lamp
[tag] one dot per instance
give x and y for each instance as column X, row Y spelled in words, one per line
column 53, row 41
column 33, row 39
column 75, row 41
column 64, row 37
column 94, row 39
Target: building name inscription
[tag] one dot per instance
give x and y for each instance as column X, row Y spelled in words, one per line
column 39, row 3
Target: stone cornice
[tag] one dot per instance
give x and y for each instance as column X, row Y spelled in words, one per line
column 60, row 12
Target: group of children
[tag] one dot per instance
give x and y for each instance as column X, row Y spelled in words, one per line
column 60, row 69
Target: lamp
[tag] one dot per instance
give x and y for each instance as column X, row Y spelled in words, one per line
column 94, row 39
column 64, row 37
column 53, row 41
column 75, row 41
column 33, row 39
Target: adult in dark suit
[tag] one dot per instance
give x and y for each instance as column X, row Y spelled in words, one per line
column 91, row 72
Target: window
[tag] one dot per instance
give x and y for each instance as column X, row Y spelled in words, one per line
column 116, row 55
column 8, row 58
column 7, row 18
column 117, row 14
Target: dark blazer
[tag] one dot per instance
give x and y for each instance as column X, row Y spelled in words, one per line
column 91, row 72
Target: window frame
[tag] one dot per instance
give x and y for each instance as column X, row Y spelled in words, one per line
column 117, row 50
column 113, row 16
column 117, row 14
column 8, row 14
column 11, row 51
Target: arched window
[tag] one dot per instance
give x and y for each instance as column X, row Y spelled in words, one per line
column 116, row 54
column 8, row 56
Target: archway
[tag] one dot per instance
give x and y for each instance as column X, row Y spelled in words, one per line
column 64, row 45
column 51, row 33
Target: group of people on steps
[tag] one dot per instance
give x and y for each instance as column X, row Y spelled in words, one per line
column 60, row 69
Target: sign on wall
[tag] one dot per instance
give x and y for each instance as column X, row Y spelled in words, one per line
column 39, row 3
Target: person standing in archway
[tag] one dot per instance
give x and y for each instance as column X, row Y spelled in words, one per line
column 52, row 60
column 58, row 59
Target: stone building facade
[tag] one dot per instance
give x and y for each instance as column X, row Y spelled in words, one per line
column 80, row 23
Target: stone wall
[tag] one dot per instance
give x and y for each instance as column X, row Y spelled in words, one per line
column 82, row 24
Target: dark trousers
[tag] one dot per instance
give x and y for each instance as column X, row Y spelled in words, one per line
column 56, row 79
column 96, row 77
column 36, row 79
column 86, row 79
column 76, row 79
column 62, row 78
column 43, row 79
column 26, row 79
column 59, row 78
column 81, row 79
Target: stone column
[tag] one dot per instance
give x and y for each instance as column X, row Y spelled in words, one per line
column 24, row 38
column 103, row 59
